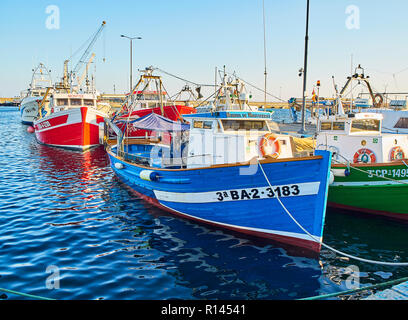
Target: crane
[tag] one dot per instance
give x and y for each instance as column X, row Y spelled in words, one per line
column 86, row 70
column 85, row 56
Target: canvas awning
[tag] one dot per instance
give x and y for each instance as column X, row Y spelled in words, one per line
column 156, row 122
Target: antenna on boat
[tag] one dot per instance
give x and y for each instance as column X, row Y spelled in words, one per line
column 215, row 85
column 351, row 91
column 302, row 130
column 264, row 34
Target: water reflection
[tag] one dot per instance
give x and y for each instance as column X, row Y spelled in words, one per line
column 67, row 208
column 218, row 265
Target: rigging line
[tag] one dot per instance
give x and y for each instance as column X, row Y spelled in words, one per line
column 379, row 71
column 82, row 46
column 174, row 104
column 177, row 77
column 348, row 164
column 262, row 90
column 400, row 264
column 130, row 110
column 350, row 91
column 128, row 101
column 213, row 94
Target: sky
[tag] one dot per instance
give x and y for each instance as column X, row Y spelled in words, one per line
column 190, row 38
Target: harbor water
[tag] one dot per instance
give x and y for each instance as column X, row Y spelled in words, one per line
column 69, row 229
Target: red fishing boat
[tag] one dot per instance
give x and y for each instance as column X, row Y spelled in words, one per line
column 72, row 122
column 148, row 96
column 72, row 119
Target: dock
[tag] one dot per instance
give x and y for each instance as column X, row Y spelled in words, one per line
column 397, row 292
column 9, row 102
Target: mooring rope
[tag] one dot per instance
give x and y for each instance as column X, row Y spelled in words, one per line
column 25, row 294
column 314, row 238
column 374, row 286
column 348, row 164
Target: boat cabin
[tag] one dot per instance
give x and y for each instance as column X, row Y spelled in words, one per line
column 206, row 139
column 358, row 139
column 232, row 136
column 64, row 101
column 351, row 124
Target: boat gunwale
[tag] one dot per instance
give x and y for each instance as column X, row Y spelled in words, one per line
column 247, row 163
column 377, row 164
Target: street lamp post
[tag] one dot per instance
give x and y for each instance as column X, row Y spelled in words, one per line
column 131, row 67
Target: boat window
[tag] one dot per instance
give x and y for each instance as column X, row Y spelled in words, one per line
column 203, row 124
column 75, row 102
column 62, row 102
column 402, row 123
column 365, row 125
column 88, row 102
column 326, row 125
column 338, row 125
column 198, row 124
column 236, row 125
column 207, row 125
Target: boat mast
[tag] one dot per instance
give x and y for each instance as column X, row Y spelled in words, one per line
column 302, row 130
column 264, row 34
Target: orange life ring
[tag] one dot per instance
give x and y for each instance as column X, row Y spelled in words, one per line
column 397, row 153
column 267, row 141
column 364, row 156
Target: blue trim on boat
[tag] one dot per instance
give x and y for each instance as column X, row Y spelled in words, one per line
column 231, row 114
column 226, row 197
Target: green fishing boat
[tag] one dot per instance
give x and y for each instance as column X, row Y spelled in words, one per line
column 369, row 168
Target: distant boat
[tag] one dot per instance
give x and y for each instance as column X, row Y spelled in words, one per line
column 395, row 116
column 73, row 118
column 361, row 103
column 73, row 121
column 206, row 173
column 30, row 99
column 148, row 96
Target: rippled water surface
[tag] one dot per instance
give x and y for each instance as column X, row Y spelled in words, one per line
column 65, row 211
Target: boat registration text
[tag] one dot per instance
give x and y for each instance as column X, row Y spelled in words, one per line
column 290, row 190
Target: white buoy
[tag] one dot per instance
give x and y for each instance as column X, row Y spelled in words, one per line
column 118, row 165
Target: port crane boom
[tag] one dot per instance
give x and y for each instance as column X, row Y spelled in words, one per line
column 85, row 56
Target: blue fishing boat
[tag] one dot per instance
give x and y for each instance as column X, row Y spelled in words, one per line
column 225, row 166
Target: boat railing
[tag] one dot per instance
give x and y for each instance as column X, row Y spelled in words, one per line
column 134, row 158
column 161, row 162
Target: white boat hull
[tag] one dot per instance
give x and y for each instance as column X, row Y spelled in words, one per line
column 29, row 109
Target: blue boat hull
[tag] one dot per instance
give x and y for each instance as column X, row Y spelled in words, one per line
column 224, row 197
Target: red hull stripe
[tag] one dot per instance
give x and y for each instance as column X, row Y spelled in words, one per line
column 51, row 122
column 392, row 215
column 80, row 134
